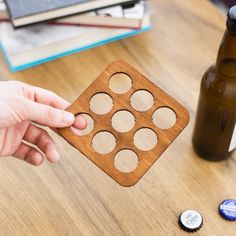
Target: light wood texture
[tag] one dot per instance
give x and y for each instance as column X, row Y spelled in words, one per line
column 124, row 141
column 74, row 197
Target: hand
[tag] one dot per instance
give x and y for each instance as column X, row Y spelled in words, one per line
column 22, row 104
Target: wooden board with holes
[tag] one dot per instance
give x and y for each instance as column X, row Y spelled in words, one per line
column 124, row 141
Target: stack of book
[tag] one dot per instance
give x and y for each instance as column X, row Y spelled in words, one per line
column 34, row 32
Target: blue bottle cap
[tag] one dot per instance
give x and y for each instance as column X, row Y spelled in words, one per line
column 227, row 209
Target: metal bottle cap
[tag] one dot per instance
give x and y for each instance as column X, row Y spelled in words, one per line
column 231, row 20
column 227, row 209
column 232, row 13
column 190, row 220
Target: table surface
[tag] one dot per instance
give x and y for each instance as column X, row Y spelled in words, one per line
column 74, row 197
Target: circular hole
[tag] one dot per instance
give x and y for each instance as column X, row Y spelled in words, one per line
column 123, row 121
column 120, row 83
column 126, row 161
column 101, row 103
column 164, row 118
column 89, row 127
column 142, row 100
column 145, row 139
column 103, row 142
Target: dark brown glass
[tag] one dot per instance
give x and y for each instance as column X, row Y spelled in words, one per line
column 216, row 112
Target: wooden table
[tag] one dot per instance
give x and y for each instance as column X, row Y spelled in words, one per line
column 74, row 197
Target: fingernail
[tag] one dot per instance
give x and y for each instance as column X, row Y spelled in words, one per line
column 83, row 122
column 80, row 122
column 55, row 156
column 69, row 118
column 37, row 160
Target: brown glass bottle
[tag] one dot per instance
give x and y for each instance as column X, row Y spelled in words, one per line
column 214, row 136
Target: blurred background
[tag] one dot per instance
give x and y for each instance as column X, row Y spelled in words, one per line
column 224, row 4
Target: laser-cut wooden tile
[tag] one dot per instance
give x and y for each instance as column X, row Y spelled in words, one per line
column 125, row 140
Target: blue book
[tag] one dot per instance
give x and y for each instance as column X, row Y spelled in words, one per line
column 31, row 46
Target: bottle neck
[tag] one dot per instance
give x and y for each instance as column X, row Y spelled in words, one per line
column 226, row 58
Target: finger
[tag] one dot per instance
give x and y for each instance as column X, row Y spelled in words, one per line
column 80, row 122
column 47, row 115
column 47, row 97
column 10, row 138
column 29, row 154
column 43, row 141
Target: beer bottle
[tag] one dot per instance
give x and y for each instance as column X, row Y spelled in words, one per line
column 214, row 136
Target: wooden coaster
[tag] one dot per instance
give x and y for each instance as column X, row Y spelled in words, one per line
column 125, row 140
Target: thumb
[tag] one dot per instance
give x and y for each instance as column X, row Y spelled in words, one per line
column 47, row 115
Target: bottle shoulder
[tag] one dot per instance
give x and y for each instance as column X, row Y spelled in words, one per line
column 218, row 85
column 209, row 76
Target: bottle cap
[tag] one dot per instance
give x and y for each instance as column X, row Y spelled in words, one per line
column 231, row 20
column 232, row 13
column 227, row 209
column 190, row 220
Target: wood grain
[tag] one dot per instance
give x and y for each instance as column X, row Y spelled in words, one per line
column 125, row 141
column 74, row 197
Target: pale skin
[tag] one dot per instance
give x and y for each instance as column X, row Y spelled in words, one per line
column 22, row 107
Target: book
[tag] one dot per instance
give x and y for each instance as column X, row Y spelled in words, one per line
column 25, row 12
column 120, row 16
column 3, row 12
column 31, row 46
